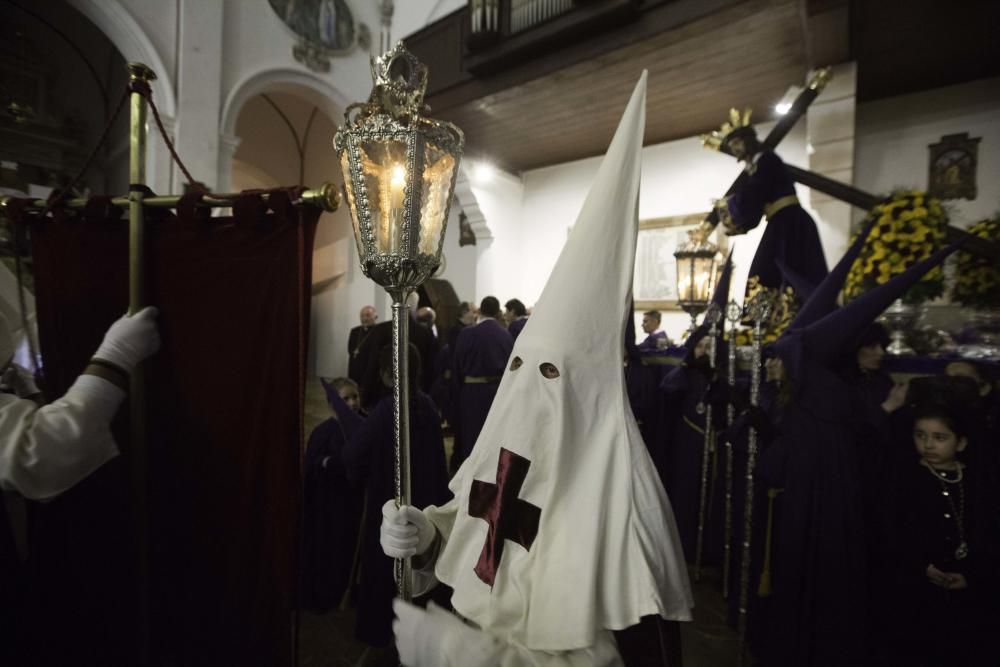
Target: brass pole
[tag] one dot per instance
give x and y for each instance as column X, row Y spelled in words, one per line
column 401, row 422
column 325, row 197
column 137, row 271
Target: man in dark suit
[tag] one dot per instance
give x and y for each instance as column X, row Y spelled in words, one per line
column 380, row 335
column 479, row 361
column 516, row 316
column 356, row 340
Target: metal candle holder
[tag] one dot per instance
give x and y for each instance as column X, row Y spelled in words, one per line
column 734, row 313
column 399, row 175
column 712, row 317
column 760, row 311
column 696, row 273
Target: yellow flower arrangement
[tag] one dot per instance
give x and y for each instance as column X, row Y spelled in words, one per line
column 909, row 226
column 784, row 306
column 977, row 279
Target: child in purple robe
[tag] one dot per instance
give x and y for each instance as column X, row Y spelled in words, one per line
column 331, row 506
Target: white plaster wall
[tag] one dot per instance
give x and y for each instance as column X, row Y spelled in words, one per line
column 199, row 73
column 893, row 135
column 255, row 41
column 501, row 265
column 460, row 266
column 144, row 31
column 158, row 20
column 412, row 15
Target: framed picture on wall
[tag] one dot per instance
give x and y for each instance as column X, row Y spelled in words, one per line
column 654, row 285
column 953, row 167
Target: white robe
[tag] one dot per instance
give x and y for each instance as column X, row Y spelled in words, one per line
column 46, row 450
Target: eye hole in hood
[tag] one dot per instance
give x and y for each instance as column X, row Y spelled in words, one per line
column 548, row 371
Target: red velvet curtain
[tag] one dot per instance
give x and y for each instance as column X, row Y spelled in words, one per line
column 223, row 434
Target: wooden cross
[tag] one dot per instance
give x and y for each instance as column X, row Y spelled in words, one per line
column 509, row 517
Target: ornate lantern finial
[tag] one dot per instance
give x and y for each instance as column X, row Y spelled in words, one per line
column 399, row 173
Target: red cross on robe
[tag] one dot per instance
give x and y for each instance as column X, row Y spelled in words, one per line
column 509, row 517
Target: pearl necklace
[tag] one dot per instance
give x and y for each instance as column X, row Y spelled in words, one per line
column 941, row 475
column 962, row 551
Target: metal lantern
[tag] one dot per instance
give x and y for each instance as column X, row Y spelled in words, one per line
column 696, row 273
column 399, row 175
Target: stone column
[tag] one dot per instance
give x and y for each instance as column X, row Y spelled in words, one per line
column 199, row 83
column 228, row 143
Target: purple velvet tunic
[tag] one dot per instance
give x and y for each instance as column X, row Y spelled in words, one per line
column 331, row 516
column 790, row 236
column 368, row 462
column 481, row 354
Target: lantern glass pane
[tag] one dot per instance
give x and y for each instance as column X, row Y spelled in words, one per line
column 702, row 275
column 684, row 271
column 383, row 166
column 439, row 167
column 345, row 166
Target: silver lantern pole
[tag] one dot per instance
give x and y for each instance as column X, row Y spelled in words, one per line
column 399, row 175
column 760, row 311
column 733, row 313
column 712, row 317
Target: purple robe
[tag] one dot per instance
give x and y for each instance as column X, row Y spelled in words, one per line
column 790, row 237
column 649, row 344
column 480, row 359
column 686, row 388
column 817, row 611
column 928, row 625
column 331, row 517
column 368, row 461
column 515, row 327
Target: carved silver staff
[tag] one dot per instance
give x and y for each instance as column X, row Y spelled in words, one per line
column 734, row 312
column 712, row 316
column 760, row 311
column 399, row 167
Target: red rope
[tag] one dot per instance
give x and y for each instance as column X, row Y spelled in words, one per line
column 147, row 92
column 56, row 195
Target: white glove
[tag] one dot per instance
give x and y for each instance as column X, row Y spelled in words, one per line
column 405, row 531
column 20, row 380
column 421, row 636
column 130, row 340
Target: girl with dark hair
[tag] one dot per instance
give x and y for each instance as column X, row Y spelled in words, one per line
column 942, row 540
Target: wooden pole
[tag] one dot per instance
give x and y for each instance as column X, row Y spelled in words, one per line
column 865, row 200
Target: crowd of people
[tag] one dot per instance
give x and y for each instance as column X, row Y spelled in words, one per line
column 454, row 371
column 875, row 528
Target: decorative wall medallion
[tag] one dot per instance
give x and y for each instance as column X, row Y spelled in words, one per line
column 325, row 28
column 953, row 167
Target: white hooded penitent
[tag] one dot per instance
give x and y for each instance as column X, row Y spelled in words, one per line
column 560, row 528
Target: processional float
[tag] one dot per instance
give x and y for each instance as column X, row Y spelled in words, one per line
column 759, row 311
